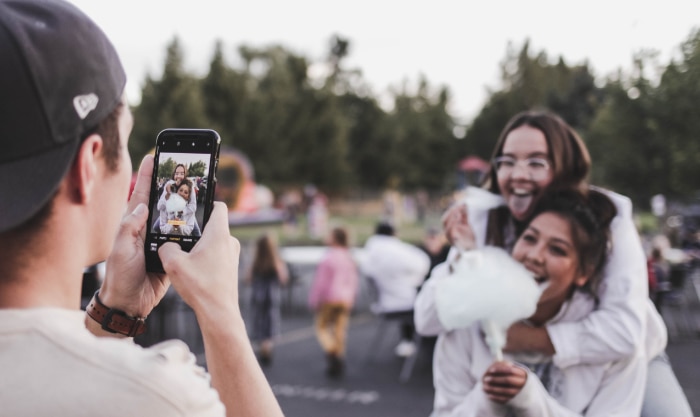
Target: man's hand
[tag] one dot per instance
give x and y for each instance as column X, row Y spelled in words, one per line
column 457, row 229
column 503, row 381
column 207, row 277
column 127, row 286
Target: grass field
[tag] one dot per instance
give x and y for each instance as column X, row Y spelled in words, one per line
column 360, row 227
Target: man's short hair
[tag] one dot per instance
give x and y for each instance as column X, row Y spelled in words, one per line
column 384, row 229
column 60, row 79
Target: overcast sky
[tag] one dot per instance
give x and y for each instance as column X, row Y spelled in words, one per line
column 456, row 43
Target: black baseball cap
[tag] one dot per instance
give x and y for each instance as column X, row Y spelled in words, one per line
column 59, row 78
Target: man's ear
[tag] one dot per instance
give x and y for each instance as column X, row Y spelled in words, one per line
column 85, row 169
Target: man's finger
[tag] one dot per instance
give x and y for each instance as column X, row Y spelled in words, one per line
column 142, row 188
column 218, row 222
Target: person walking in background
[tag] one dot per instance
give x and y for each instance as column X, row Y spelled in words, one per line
column 398, row 269
column 659, row 267
column 267, row 274
column 332, row 297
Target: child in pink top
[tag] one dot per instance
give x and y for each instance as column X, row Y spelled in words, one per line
column 332, row 296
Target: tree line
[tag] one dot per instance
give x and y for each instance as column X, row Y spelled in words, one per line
column 641, row 125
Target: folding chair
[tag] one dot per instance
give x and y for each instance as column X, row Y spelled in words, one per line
column 388, row 318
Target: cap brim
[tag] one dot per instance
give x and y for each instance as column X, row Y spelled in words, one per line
column 30, row 183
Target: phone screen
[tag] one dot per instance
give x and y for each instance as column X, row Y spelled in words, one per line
column 182, row 189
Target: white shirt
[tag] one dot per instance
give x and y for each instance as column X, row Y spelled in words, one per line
column 397, row 267
column 624, row 320
column 604, row 389
column 53, row 366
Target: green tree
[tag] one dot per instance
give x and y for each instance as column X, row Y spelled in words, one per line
column 423, row 143
column 167, row 168
column 225, row 96
column 175, row 100
column 529, row 81
column 676, row 107
column 197, row 169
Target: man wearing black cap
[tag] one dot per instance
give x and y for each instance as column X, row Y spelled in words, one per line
column 64, row 126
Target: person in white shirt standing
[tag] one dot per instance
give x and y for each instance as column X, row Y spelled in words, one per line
column 398, row 269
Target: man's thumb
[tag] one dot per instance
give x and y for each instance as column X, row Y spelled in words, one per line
column 169, row 250
column 134, row 221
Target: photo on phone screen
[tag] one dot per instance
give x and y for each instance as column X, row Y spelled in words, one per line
column 182, row 189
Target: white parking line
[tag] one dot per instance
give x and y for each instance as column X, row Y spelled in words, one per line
column 325, row 394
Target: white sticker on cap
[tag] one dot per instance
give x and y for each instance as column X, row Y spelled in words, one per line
column 85, row 104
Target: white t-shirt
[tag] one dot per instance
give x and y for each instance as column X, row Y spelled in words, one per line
column 53, row 366
column 397, row 267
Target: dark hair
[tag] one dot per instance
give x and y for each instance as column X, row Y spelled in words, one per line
column 384, row 229
column 108, row 129
column 571, row 162
column 340, row 236
column 186, row 182
column 265, row 256
column 175, row 170
column 589, row 215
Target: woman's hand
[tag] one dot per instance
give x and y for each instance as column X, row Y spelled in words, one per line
column 503, row 380
column 455, row 222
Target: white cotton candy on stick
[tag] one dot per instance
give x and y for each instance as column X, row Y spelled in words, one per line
column 489, row 286
column 175, row 204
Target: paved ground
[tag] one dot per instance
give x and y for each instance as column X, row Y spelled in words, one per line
column 372, row 387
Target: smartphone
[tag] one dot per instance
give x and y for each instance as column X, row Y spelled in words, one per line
column 182, row 190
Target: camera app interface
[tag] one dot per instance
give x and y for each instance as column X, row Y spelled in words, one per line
column 178, row 212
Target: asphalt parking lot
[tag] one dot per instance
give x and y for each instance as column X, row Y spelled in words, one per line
column 371, row 385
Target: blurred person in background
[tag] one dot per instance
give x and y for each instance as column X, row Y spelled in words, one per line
column 398, row 269
column 662, row 282
column 332, row 297
column 267, row 274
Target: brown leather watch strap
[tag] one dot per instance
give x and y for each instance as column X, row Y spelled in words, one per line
column 113, row 320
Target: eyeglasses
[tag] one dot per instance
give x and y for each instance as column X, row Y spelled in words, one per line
column 537, row 168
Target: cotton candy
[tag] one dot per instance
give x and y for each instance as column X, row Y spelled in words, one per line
column 489, row 286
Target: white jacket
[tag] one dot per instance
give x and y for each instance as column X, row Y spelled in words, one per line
column 397, row 267
column 604, row 389
column 624, row 320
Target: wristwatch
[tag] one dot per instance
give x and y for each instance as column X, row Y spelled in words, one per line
column 113, row 320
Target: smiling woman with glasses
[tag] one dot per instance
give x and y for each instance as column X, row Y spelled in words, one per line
column 536, row 154
column 537, row 168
